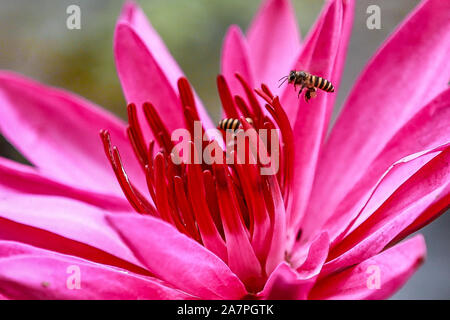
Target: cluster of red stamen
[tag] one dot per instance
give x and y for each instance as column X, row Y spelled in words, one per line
column 231, row 209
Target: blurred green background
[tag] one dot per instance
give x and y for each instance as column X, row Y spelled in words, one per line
column 34, row 41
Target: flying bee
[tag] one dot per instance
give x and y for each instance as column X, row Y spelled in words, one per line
column 308, row 81
column 232, row 124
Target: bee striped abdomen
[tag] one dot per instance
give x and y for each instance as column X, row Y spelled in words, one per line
column 231, row 124
column 322, row 83
column 327, row 86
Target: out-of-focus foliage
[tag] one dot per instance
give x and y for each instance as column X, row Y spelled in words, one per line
column 36, row 42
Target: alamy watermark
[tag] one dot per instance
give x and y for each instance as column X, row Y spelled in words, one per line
column 374, row 19
column 74, row 279
column 73, row 21
column 374, row 279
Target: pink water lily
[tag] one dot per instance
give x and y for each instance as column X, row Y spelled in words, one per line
column 139, row 227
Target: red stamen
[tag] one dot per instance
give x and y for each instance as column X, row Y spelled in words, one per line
column 256, row 108
column 208, row 230
column 139, row 203
column 162, row 201
column 226, row 98
column 275, row 109
column 263, row 95
column 231, row 209
column 149, row 176
column 186, row 209
column 267, row 91
column 242, row 106
column 260, row 221
column 187, row 96
column 159, row 130
column 242, row 258
column 213, row 203
column 135, row 136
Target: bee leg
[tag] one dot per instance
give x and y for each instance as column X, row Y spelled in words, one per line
column 310, row 93
column 307, row 96
column 300, row 91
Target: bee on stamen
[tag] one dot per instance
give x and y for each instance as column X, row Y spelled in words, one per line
column 232, row 124
column 308, row 81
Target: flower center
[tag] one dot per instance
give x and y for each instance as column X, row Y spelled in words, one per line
column 232, row 208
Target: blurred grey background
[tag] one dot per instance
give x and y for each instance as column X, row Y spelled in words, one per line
column 34, row 41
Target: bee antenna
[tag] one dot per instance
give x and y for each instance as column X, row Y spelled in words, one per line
column 285, row 78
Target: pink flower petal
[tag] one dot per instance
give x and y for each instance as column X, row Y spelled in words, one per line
column 288, row 283
column 277, row 248
column 59, row 133
column 312, row 257
column 395, row 267
column 358, row 208
column 18, row 178
column 133, row 15
column 144, row 80
column 348, row 7
column 235, row 58
column 63, row 225
column 315, row 61
column 431, row 213
column 32, row 273
column 388, row 93
column 274, row 41
column 428, row 187
column 428, row 129
column 285, row 284
column 242, row 259
column 179, row 260
column 147, row 70
column 309, row 126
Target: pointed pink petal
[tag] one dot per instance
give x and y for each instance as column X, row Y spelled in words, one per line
column 377, row 108
column 357, row 208
column 235, row 58
column 27, row 272
column 309, row 126
column 179, row 260
column 285, row 284
column 348, row 7
column 63, row 225
column 144, row 80
column 305, row 259
column 133, row 15
column 19, row 178
column 59, row 133
column 427, row 188
column 428, row 129
column 395, row 266
column 316, row 61
column 274, row 41
column 288, row 283
column 242, row 259
column 431, row 213
column 147, row 70
column 277, row 248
